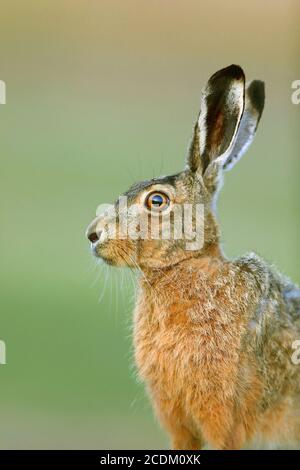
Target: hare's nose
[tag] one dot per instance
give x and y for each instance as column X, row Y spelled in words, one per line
column 93, row 237
column 93, row 233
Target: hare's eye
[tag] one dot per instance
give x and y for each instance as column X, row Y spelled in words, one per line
column 157, row 201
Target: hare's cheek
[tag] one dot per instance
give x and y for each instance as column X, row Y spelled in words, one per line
column 161, row 253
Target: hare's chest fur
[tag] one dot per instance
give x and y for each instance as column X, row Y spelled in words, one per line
column 184, row 346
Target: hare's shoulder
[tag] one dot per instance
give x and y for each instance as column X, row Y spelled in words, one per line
column 274, row 286
column 255, row 266
column 268, row 280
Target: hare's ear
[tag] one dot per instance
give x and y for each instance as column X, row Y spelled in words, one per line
column 221, row 110
column 254, row 105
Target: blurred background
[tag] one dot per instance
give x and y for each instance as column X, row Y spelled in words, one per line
column 101, row 94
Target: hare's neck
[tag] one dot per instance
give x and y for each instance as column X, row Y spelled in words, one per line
column 183, row 273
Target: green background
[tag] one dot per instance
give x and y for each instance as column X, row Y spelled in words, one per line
column 101, row 94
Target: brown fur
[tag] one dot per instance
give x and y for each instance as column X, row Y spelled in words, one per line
column 209, row 358
column 213, row 338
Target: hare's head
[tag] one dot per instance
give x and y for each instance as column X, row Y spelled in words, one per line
column 162, row 221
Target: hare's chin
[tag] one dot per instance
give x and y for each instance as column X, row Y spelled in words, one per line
column 96, row 251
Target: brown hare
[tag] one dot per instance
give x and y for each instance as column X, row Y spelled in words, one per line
column 213, row 338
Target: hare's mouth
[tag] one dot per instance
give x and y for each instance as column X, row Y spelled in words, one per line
column 111, row 252
column 102, row 254
column 98, row 250
column 94, row 248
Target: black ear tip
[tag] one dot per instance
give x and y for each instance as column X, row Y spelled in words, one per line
column 232, row 72
column 235, row 71
column 256, row 93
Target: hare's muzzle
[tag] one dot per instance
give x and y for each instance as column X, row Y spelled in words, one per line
column 93, row 232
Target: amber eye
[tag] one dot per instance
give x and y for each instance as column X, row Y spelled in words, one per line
column 157, row 201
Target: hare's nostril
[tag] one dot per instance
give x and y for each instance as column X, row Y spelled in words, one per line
column 93, row 237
